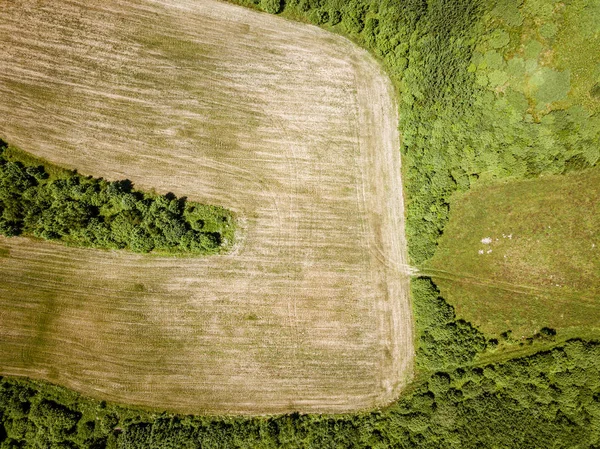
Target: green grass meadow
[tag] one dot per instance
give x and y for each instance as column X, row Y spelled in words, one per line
column 522, row 255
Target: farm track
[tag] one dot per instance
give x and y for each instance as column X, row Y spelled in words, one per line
column 293, row 128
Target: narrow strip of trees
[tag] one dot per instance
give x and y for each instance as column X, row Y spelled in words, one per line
column 87, row 211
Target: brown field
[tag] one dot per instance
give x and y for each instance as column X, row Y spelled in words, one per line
column 293, row 128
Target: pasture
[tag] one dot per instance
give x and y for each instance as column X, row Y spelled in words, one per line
column 292, row 128
column 524, row 255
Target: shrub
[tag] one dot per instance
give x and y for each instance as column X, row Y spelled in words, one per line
column 271, row 6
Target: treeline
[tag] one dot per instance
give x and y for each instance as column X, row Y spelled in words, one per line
column 551, row 399
column 87, row 211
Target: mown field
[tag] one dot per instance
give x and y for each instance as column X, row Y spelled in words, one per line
column 292, row 128
column 520, row 256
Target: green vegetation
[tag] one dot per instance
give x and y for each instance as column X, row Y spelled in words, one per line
column 489, row 90
column 443, row 341
column 271, row 6
column 55, row 204
column 550, row 399
column 540, row 266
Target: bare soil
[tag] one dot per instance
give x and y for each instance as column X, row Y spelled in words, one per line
column 293, row 128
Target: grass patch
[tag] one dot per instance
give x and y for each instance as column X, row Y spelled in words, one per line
column 14, row 154
column 524, row 255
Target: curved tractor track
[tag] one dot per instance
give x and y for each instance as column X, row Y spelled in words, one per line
column 293, row 128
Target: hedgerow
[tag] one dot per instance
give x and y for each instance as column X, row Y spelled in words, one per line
column 87, row 211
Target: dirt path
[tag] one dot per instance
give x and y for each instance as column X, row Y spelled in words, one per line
column 290, row 126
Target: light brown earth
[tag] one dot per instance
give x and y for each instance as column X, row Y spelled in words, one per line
column 293, row 128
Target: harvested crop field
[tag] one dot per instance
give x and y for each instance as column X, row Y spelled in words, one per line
column 291, row 127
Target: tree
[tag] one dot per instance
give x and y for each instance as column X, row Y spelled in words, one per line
column 271, row 6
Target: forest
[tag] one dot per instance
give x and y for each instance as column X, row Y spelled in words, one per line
column 92, row 212
column 465, row 119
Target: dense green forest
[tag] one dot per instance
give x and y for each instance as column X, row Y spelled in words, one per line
column 87, row 211
column 488, row 89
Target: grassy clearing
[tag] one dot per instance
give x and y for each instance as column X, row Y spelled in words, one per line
column 524, row 255
column 544, row 52
column 292, row 128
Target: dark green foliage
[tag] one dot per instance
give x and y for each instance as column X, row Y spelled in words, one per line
column 551, row 399
column 271, row 6
column 354, row 16
column 56, row 421
column 335, row 17
column 319, row 17
column 443, row 341
column 93, row 212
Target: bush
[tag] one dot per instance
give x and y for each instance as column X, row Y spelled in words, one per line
column 443, row 341
column 319, row 17
column 271, row 6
